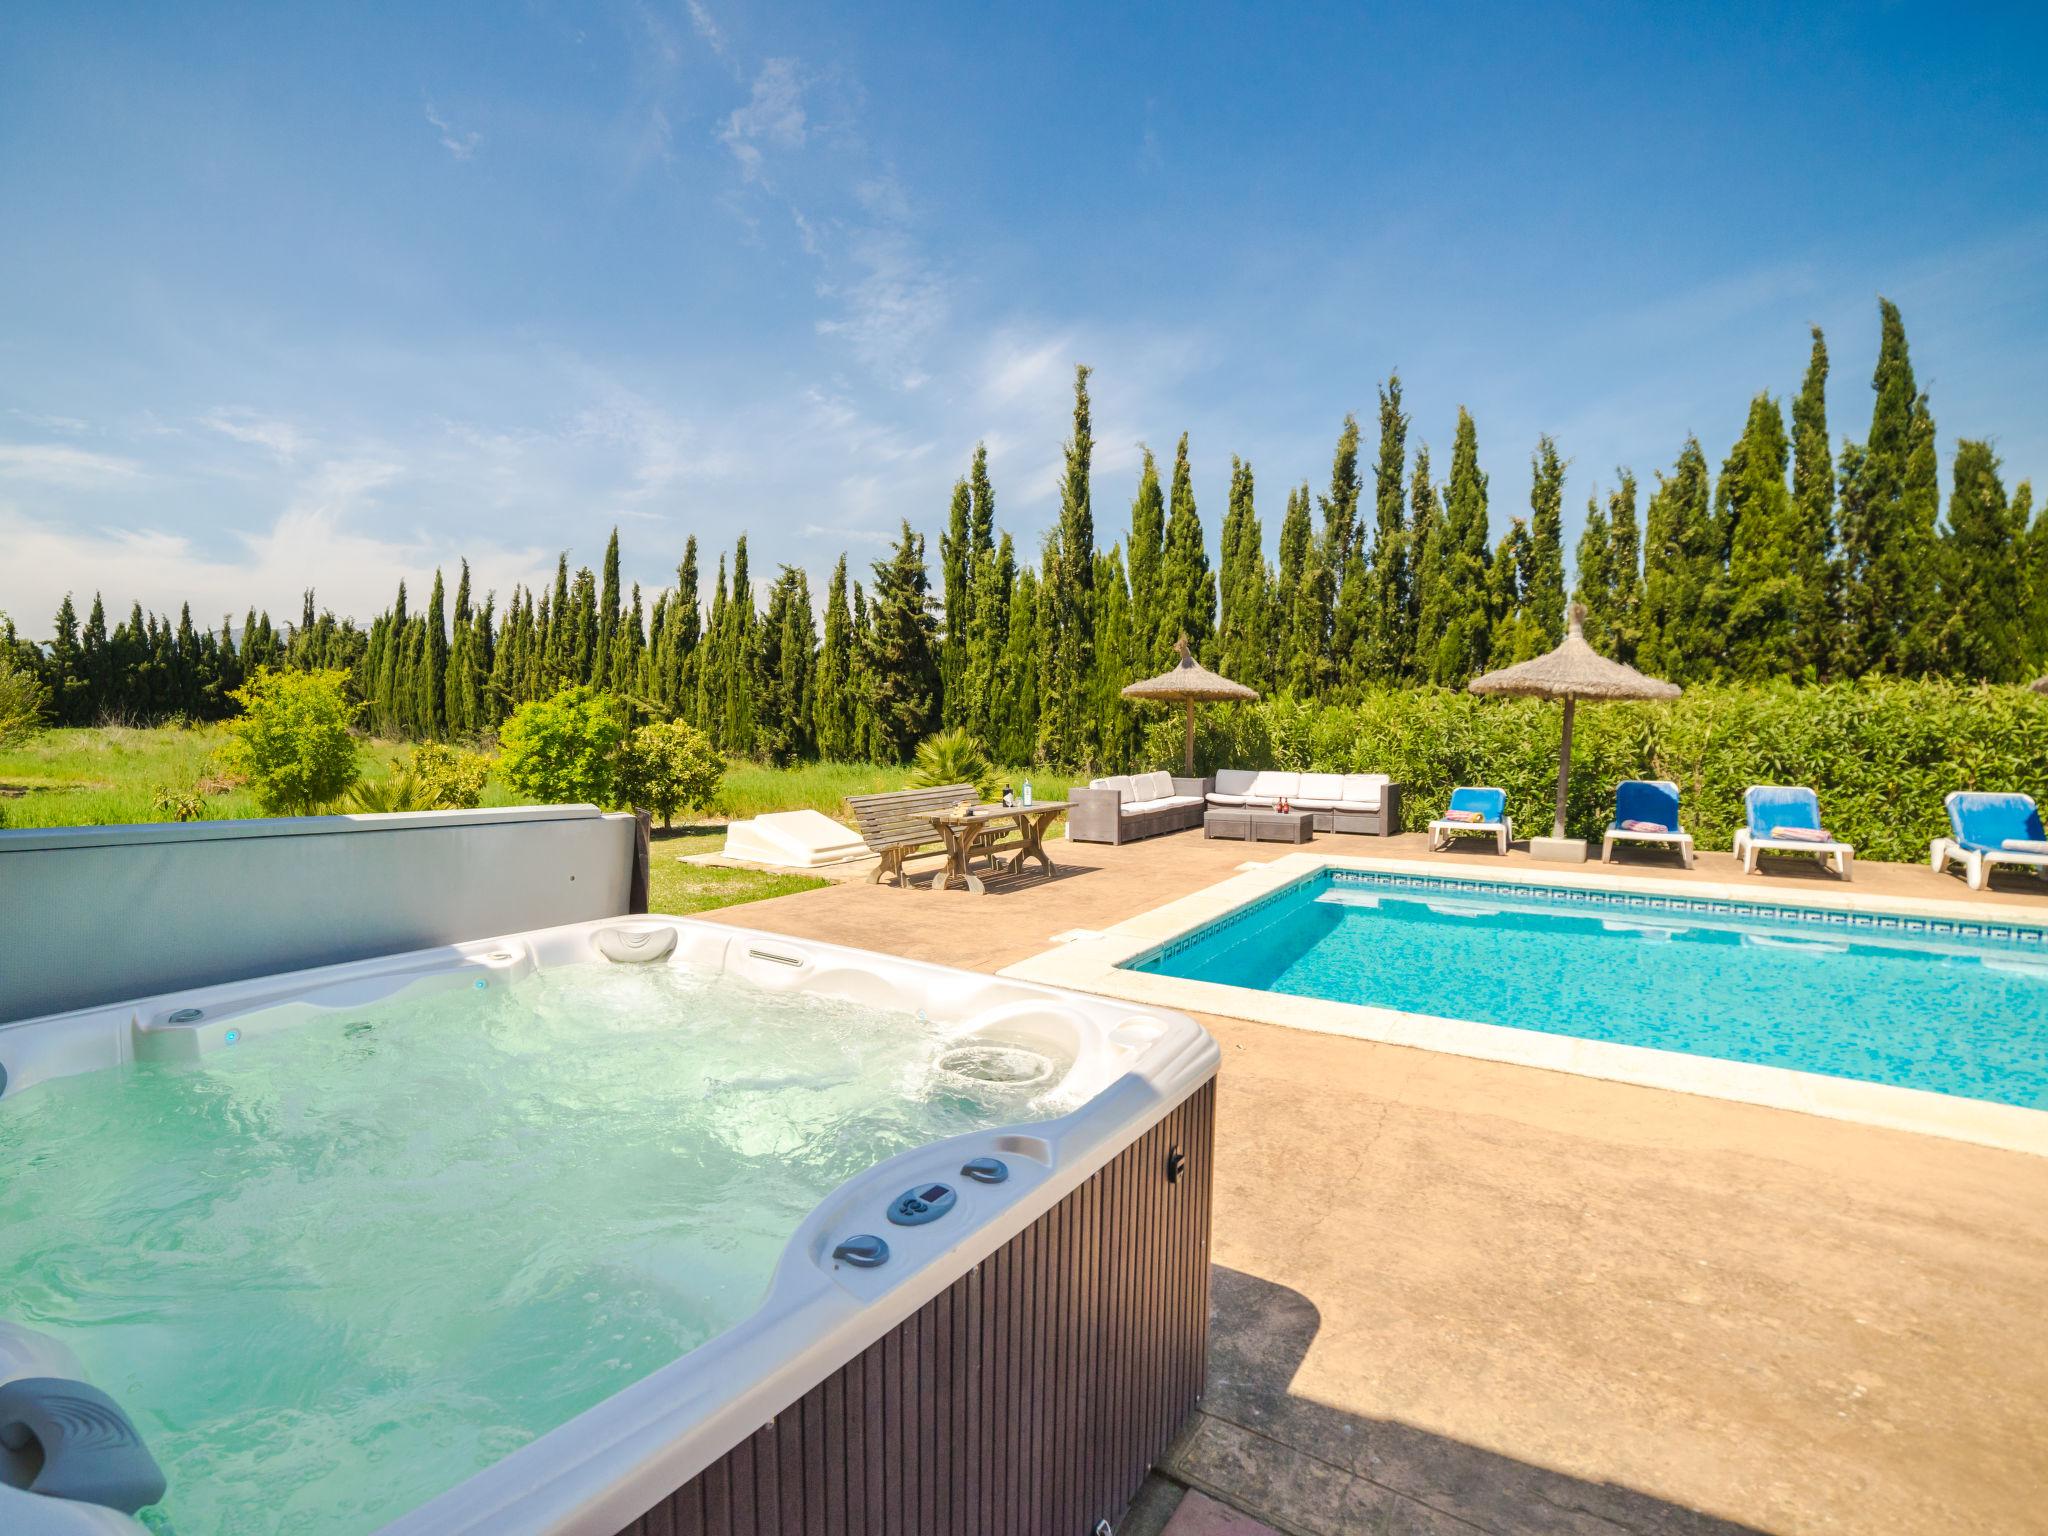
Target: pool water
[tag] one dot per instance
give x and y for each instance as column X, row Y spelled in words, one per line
column 332, row 1271
column 1882, row 999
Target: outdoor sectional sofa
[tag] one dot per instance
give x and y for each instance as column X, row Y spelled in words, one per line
column 1340, row 802
column 1127, row 807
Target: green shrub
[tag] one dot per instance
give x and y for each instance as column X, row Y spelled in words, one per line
column 665, row 767
column 450, row 779
column 564, row 749
column 953, row 757
column 173, row 804
column 1880, row 754
column 21, row 701
column 291, row 741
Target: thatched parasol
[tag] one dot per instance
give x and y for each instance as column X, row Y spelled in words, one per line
column 1190, row 683
column 1571, row 672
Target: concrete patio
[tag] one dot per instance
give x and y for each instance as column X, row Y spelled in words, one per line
column 1455, row 1295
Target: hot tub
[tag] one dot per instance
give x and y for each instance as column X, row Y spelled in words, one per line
column 631, row 1225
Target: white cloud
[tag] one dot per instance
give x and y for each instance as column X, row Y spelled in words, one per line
column 51, row 423
column 459, row 144
column 706, row 27
column 61, row 464
column 275, row 436
column 773, row 116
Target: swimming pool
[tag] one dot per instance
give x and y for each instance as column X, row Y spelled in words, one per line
column 537, row 1233
column 1945, row 1006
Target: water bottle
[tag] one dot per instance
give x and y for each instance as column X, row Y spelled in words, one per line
column 1027, row 791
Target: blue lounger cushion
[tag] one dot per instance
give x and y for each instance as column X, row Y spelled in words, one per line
column 1989, row 823
column 1771, row 806
column 1491, row 804
column 1651, row 800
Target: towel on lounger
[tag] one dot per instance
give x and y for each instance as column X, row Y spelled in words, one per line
column 1644, row 826
column 1803, row 835
column 1464, row 816
column 2024, row 845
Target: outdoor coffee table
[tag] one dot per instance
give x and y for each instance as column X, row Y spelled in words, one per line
column 969, row 832
column 1259, row 825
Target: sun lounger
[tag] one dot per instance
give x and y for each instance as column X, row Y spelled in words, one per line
column 1773, row 811
column 1471, row 810
column 1987, row 830
column 1646, row 811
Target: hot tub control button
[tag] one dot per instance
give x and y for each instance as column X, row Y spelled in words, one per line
column 985, row 1170
column 862, row 1251
column 928, row 1202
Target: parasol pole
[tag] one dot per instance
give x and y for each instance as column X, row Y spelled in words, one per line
column 1564, row 767
column 1188, row 755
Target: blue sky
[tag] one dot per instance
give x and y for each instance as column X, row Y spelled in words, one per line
column 295, row 297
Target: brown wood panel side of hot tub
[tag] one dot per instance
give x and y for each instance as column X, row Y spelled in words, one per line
column 1029, row 1398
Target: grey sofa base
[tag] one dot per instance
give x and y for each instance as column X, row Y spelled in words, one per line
column 1098, row 816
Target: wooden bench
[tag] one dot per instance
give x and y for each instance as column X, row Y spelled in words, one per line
column 898, row 825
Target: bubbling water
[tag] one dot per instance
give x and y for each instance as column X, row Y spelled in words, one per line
column 332, row 1271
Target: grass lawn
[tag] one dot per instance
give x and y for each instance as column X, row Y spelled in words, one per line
column 113, row 774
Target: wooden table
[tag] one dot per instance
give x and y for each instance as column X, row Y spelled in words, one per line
column 965, row 832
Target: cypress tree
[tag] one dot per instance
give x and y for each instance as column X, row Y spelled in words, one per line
column 1023, row 662
column 956, row 558
column 710, row 717
column 1341, row 594
column 1593, row 580
column 1983, row 636
column 1426, row 539
column 1545, row 589
column 607, row 612
column 96, row 653
column 982, row 521
column 1387, row 641
column 1460, row 588
column 1148, row 540
column 1888, row 510
column 835, row 673
column 1813, row 499
column 1187, row 602
column 433, row 676
column 1119, row 656
column 994, row 578
column 1066, row 600
column 904, row 683
column 867, row 732
column 736, row 656
column 1677, row 642
column 1244, row 631
column 1512, row 630
column 2035, row 557
column 784, row 660
column 1759, row 524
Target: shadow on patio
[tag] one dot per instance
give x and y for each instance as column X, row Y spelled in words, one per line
column 1314, row 1470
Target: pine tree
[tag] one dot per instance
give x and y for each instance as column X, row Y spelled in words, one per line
column 1678, row 642
column 1813, row 499
column 1387, row 641
column 1984, row 602
column 1148, row 541
column 1187, row 591
column 64, row 669
column 1889, row 503
column 1545, row 593
column 956, row 561
column 834, row 714
column 904, row 682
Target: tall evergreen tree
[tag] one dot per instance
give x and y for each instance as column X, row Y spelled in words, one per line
column 1889, row 506
column 1148, row 543
column 1813, row 499
column 1760, row 526
column 1984, row 631
column 2035, row 562
column 1117, row 652
column 1678, row 563
column 956, row 566
column 1187, row 591
column 1460, row 589
column 1426, row 539
column 1304, row 600
column 607, row 611
column 1342, row 593
column 1245, row 629
column 904, row 683
column 835, row 708
column 1545, row 594
column 784, row 671
column 995, row 576
column 1386, row 641
column 1015, row 738
column 1066, row 601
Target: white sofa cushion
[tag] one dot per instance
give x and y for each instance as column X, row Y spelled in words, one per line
column 1365, row 790
column 1233, row 784
column 1273, row 785
column 1322, row 786
column 1216, row 798
column 1164, row 802
column 1126, row 789
column 1154, row 786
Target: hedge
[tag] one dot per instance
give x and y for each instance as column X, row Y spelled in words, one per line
column 1880, row 754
